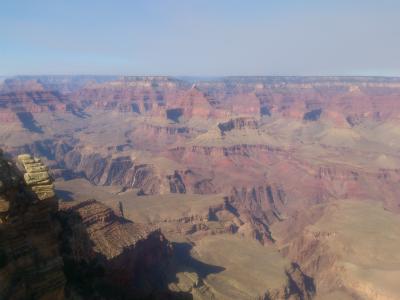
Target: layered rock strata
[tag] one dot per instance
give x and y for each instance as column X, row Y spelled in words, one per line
column 37, row 177
column 30, row 263
column 127, row 259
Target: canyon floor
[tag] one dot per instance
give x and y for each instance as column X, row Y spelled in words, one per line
column 265, row 187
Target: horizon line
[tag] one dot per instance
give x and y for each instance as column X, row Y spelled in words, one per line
column 195, row 76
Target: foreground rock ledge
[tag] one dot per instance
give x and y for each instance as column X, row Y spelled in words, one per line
column 31, row 266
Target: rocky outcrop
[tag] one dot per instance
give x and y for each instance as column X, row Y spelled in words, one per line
column 130, row 258
column 269, row 199
column 37, row 177
column 238, row 123
column 176, row 183
column 299, row 286
column 257, row 208
column 31, row 266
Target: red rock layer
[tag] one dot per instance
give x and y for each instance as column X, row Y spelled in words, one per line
column 32, row 102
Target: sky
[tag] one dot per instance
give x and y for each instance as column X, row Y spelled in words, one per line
column 200, row 38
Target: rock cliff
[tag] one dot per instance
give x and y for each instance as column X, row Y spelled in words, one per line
column 31, row 263
column 78, row 251
column 128, row 260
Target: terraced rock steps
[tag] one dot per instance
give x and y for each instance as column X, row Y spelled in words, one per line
column 37, row 177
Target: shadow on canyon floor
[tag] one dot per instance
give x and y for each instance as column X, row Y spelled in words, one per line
column 29, row 122
column 187, row 263
column 64, row 195
column 138, row 272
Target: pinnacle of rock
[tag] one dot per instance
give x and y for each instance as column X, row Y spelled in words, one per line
column 37, row 176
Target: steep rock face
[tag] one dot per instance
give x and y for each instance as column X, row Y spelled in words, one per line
column 189, row 181
column 121, row 171
column 127, row 173
column 130, row 258
column 257, row 207
column 268, row 199
column 176, row 183
column 31, row 265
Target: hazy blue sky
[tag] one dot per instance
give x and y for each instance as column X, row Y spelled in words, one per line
column 207, row 37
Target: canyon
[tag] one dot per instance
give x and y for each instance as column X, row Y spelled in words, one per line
column 186, row 188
